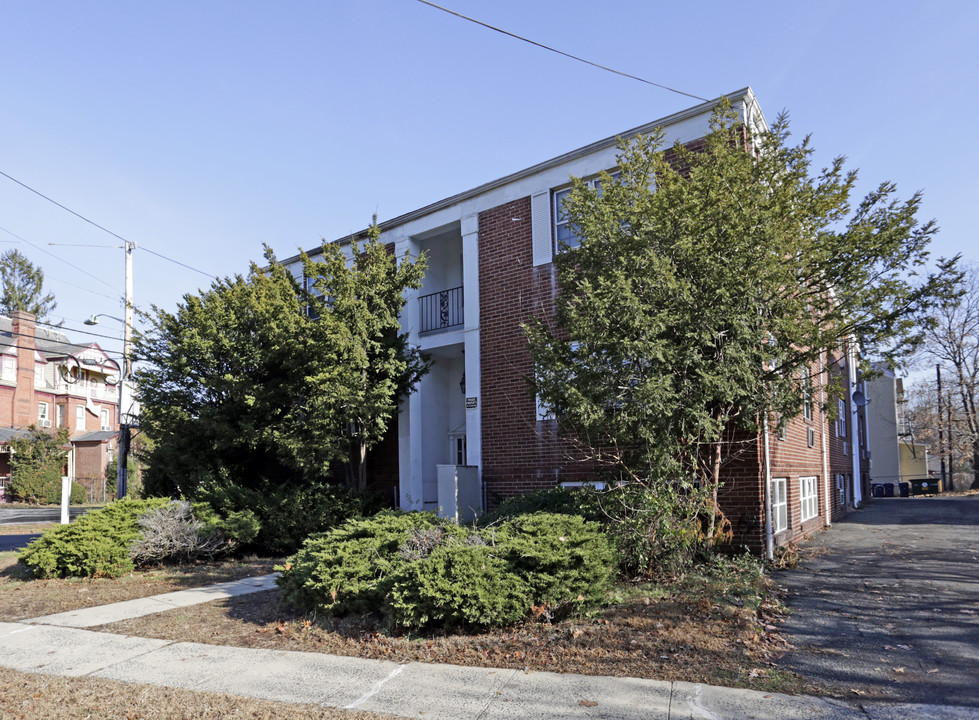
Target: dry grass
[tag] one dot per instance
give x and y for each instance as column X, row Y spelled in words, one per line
column 30, row 696
column 22, row 597
column 25, row 528
column 699, row 629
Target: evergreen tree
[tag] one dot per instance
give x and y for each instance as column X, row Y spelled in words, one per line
column 263, row 384
column 23, row 286
column 704, row 289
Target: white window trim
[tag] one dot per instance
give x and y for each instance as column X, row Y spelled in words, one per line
column 780, row 505
column 557, row 197
column 809, row 497
column 841, row 418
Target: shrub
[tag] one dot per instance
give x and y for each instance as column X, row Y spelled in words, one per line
column 350, row 568
column 36, row 463
column 286, row 515
column 93, row 545
column 567, row 562
column 179, row 531
column 423, row 572
column 583, row 501
column 457, row 585
column 657, row 527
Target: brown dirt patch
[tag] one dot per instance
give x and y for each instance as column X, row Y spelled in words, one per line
column 22, row 597
column 692, row 630
column 26, row 695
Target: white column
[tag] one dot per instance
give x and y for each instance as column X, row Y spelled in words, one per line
column 470, row 272
column 410, row 419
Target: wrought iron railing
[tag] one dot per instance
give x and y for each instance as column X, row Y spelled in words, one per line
column 441, row 310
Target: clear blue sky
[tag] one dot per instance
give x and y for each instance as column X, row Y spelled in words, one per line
column 203, row 129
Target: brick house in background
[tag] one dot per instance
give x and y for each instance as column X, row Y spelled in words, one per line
column 473, row 434
column 50, row 382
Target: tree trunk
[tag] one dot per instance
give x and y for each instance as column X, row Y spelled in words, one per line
column 715, row 485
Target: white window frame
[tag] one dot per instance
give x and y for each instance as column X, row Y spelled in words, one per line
column 806, row 394
column 106, row 420
column 559, row 218
column 809, row 497
column 80, row 417
column 841, row 418
column 811, row 437
column 43, row 414
column 61, row 413
column 780, row 505
column 8, row 368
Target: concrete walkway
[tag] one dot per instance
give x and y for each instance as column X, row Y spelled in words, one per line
column 58, row 645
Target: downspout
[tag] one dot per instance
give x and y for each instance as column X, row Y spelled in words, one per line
column 824, row 443
column 769, row 529
column 851, row 362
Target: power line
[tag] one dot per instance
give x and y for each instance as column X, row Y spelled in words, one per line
column 100, row 227
column 561, row 52
column 48, row 252
column 176, row 262
column 66, row 209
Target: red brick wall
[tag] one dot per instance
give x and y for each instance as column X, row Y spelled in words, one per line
column 91, row 459
column 519, row 454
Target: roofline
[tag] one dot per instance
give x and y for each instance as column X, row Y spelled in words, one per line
column 744, row 93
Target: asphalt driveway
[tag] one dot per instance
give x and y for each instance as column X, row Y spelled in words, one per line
column 886, row 603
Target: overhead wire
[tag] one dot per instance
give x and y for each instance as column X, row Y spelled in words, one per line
column 561, row 52
column 48, row 252
column 100, row 227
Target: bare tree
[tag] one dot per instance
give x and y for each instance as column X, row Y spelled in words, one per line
column 952, row 339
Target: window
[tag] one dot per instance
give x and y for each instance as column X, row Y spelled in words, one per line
column 105, row 419
column 38, row 376
column 806, row 394
column 810, row 437
column 564, row 232
column 80, row 417
column 42, row 415
column 780, row 505
column 841, row 418
column 809, row 497
column 457, row 448
column 61, row 415
column 781, row 428
column 8, row 368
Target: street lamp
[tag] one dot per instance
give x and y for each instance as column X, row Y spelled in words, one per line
column 122, row 469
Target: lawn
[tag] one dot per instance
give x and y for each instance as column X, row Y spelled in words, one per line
column 28, row 695
column 718, row 626
column 22, row 597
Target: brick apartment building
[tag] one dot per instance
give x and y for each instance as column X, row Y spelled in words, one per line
column 473, row 416
column 49, row 382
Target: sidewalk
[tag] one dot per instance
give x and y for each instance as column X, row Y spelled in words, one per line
column 59, row 645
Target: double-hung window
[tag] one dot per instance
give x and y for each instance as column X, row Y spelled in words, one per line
column 8, row 368
column 841, row 418
column 809, row 497
column 780, row 504
column 565, row 235
column 806, row 394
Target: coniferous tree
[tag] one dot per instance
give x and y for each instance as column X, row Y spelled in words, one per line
column 705, row 287
column 23, row 286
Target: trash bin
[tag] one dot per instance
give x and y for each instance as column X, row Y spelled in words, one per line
column 888, row 489
column 924, row 486
column 878, row 490
column 905, row 489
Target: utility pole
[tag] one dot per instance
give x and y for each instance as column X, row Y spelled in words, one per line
column 941, row 436
column 125, row 399
column 951, row 443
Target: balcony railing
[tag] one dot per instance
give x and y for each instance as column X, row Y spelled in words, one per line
column 441, row 310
